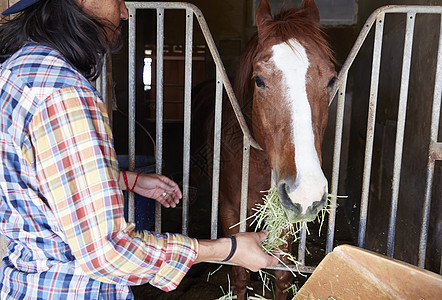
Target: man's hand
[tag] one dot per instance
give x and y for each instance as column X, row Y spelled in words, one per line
column 155, row 186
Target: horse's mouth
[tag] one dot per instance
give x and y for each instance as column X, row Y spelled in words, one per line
column 294, row 211
column 295, row 218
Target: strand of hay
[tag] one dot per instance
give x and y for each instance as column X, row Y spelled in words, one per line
column 229, row 295
column 266, row 279
column 211, row 273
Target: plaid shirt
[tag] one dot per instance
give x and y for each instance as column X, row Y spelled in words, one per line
column 61, row 206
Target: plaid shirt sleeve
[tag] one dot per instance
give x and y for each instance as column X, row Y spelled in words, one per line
column 78, row 175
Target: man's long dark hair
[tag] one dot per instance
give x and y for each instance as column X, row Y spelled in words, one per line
column 61, row 25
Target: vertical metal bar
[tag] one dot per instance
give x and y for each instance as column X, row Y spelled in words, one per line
column 302, row 241
column 272, row 179
column 244, row 184
column 131, row 107
column 216, row 153
column 370, row 127
column 435, row 119
column 403, row 95
column 159, row 108
column 187, row 118
column 336, row 162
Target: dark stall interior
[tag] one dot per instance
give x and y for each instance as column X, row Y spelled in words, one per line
column 231, row 24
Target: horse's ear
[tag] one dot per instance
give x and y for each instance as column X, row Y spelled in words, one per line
column 311, row 6
column 263, row 15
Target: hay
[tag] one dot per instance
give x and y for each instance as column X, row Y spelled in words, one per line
column 272, row 217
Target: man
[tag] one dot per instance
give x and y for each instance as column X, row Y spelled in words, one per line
column 61, row 202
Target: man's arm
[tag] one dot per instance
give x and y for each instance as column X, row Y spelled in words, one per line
column 248, row 253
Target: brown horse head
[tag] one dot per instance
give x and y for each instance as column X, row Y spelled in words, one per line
column 293, row 72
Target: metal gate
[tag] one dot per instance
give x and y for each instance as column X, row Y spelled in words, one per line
column 377, row 20
column 222, row 82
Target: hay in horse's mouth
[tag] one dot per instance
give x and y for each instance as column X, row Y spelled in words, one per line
column 272, row 216
column 294, row 211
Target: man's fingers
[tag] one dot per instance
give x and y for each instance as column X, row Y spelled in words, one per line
column 272, row 260
column 170, row 200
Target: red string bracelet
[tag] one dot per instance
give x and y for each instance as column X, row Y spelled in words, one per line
column 125, row 179
column 127, row 183
column 135, row 182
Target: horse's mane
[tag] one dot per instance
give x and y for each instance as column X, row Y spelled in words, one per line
column 292, row 23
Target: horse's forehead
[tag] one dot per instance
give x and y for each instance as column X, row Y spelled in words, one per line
column 273, row 47
column 264, row 55
column 290, row 55
column 315, row 54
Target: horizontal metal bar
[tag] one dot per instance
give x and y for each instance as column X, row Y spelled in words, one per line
column 301, row 269
column 417, row 9
column 280, row 267
column 163, row 5
column 386, row 9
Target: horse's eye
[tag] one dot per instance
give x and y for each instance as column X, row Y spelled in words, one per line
column 331, row 81
column 259, row 81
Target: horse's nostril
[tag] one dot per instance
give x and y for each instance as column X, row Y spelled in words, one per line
column 316, row 206
column 286, row 201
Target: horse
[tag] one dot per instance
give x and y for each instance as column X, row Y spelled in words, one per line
column 285, row 75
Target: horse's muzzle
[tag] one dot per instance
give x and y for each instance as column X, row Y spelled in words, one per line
column 295, row 211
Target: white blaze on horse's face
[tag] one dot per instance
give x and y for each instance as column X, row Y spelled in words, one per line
column 309, row 191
